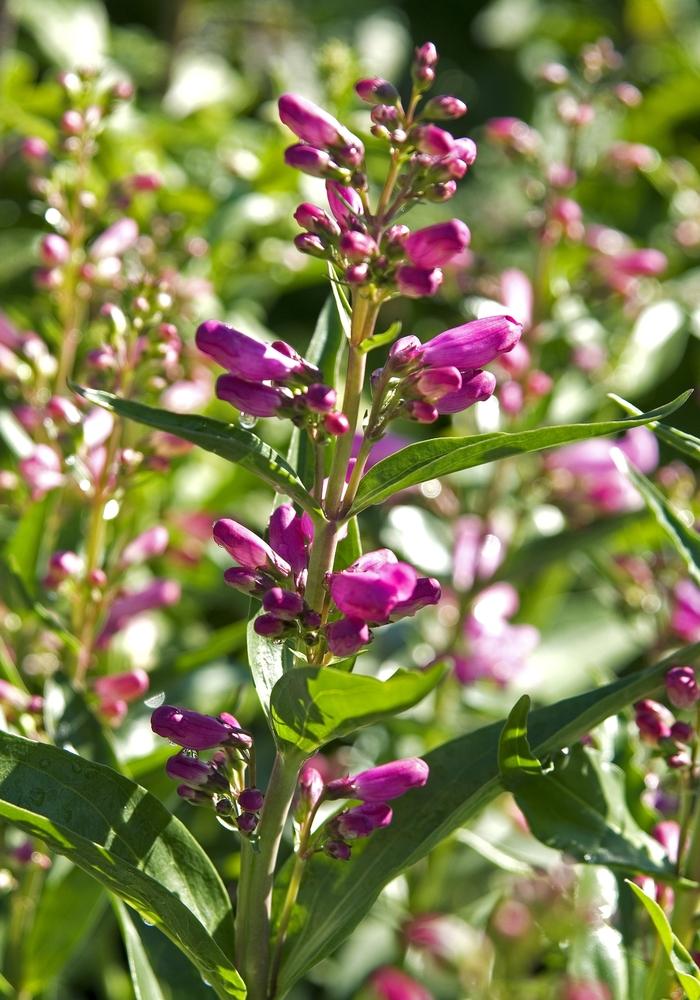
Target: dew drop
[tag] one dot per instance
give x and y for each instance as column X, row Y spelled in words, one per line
column 247, row 421
column 147, row 923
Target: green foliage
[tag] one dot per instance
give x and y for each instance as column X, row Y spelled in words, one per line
column 684, row 968
column 431, row 459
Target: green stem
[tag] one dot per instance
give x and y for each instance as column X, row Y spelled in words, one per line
column 286, row 915
column 257, row 875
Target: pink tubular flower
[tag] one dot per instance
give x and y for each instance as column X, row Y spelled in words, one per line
column 244, row 356
column 480, row 386
column 375, row 90
column 441, row 935
column 427, row 591
column 434, row 140
column 362, row 820
column 513, row 134
column 517, row 295
column 310, row 160
column 382, row 783
column 682, row 687
column 158, row 594
column 478, row 552
column 473, row 344
column 418, row 282
column 434, row 383
column 190, row 729
column 145, row 546
column 667, row 833
column 437, row 245
column 115, row 240
column 182, row 767
column 309, row 122
column 345, row 203
column 290, row 536
column 347, row 636
column 42, row 471
column 54, row 250
column 496, row 649
column 393, row 984
column 126, row 687
column 314, row 219
column 653, row 720
column 250, row 551
column 685, row 617
column 64, row 565
column 250, row 397
column 372, row 586
column 646, row 262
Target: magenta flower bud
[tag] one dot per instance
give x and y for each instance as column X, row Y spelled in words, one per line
column 385, row 114
column 363, row 820
column 444, row 106
column 283, row 604
column 244, row 356
column 395, row 237
column 392, row 984
column 336, row 424
column 668, row 834
column 312, row 161
column 250, row 551
column 158, row 594
column 312, row 245
column 375, row 90
column 426, row 591
column 54, row 250
column 434, row 140
column 345, row 203
column 653, row 720
column 310, row 619
column 404, row 351
column 270, row 626
column 115, row 240
column 238, row 736
column 681, row 758
column 320, row 398
column 357, row 246
column 64, row 565
column 682, row 687
column 145, row 182
column 72, row 122
column 465, row 149
column 417, row 282
column 247, row 822
column 442, row 191
column 511, row 398
column 251, row 799
column 423, row 413
column 682, row 732
column 308, row 122
column 145, row 546
column 426, row 55
column 347, row 636
column 195, row 796
column 338, row 850
column 189, row 729
column 383, row 783
column 247, row 581
column 356, row 274
column 290, row 535
column 182, row 767
column 34, row 149
column 474, row 344
column 434, row 383
column 370, row 592
column 475, row 389
column 63, row 410
column 314, row 219
column 437, row 245
column 685, row 618
column 628, row 94
column 311, row 785
column 250, row 397
column 127, row 686
column 640, row 263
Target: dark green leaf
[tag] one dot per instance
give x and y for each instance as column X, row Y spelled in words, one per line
column 52, row 938
column 71, row 725
column 685, row 538
column 15, row 594
column 350, row 547
column 226, row 440
column 310, row 706
column 463, row 779
column 380, row 339
column 122, row 836
column 24, row 546
column 678, row 439
column 143, row 978
column 431, row 459
column 685, row 969
column 578, row 806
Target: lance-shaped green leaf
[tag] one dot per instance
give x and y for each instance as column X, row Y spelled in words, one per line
column 681, row 440
column 685, row 538
column 71, row 724
column 269, row 659
column 578, row 805
column 226, row 440
column 684, row 968
column 431, row 459
column 121, row 835
column 143, row 978
column 463, row 779
column 310, row 706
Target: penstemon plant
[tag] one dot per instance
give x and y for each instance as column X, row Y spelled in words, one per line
column 317, row 599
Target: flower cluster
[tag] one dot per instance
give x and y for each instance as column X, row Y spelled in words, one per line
column 444, row 375
column 270, row 380
column 374, row 590
column 367, row 249
column 657, row 725
column 220, row 781
column 374, row 789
